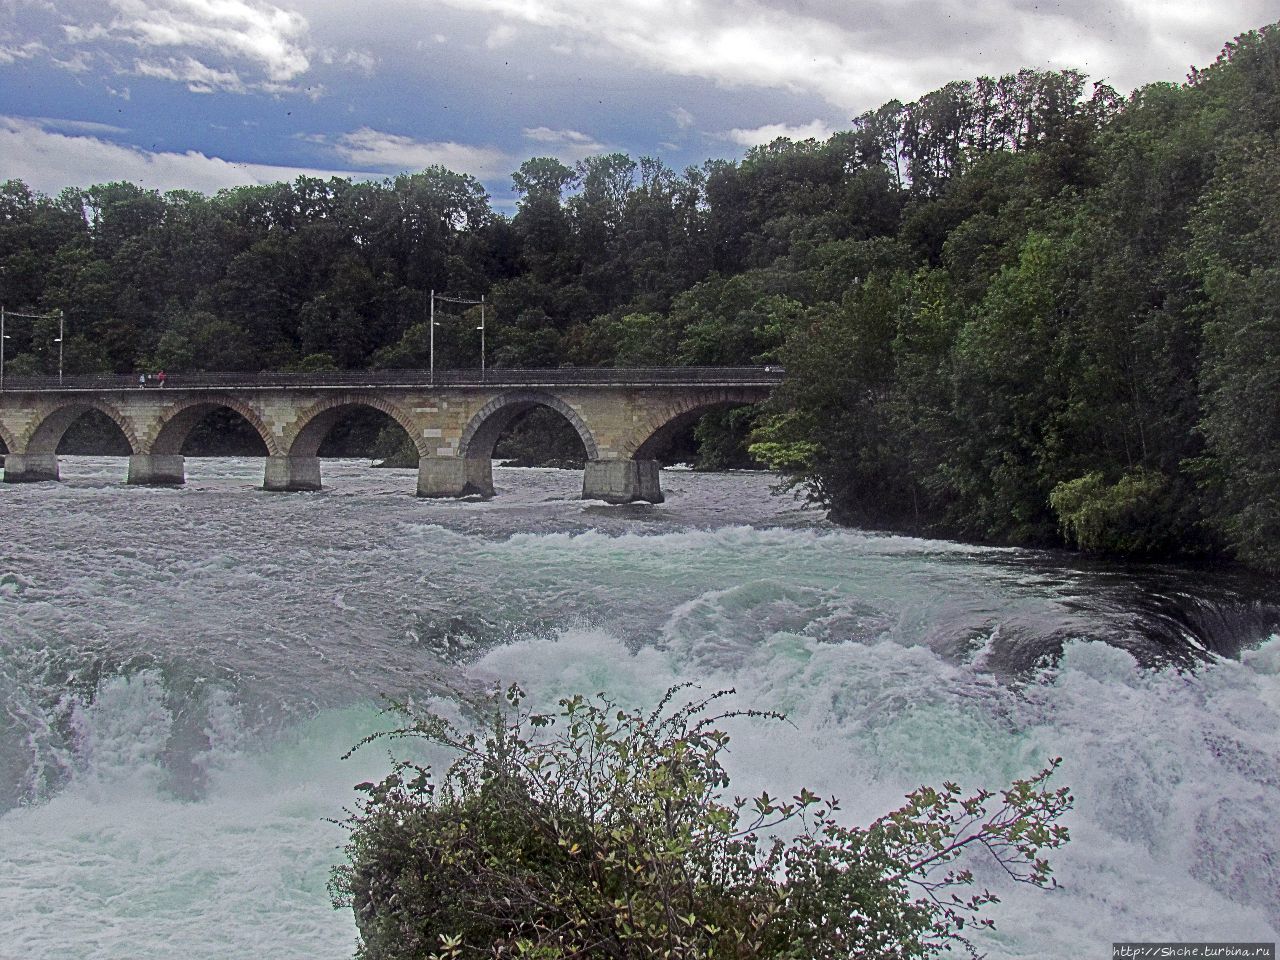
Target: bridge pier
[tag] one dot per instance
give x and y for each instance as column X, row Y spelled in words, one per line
column 30, row 467
column 292, row 473
column 455, row 477
column 622, row 481
column 157, row 470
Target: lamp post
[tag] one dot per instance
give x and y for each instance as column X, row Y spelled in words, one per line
column 459, row 300
column 59, row 343
column 481, row 329
column 4, row 313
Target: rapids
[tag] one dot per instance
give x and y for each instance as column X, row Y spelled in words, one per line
column 181, row 671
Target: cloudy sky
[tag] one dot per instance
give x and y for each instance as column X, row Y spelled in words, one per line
column 203, row 94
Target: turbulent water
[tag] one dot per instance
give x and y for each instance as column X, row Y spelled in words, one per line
column 182, row 670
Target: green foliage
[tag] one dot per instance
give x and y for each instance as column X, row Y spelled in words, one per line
column 1013, row 366
column 1095, row 312
column 1125, row 517
column 772, row 443
column 200, row 341
column 392, row 447
column 633, row 340
column 605, row 832
column 1236, row 253
column 733, row 321
column 313, row 363
column 412, row 350
column 722, row 439
column 792, row 457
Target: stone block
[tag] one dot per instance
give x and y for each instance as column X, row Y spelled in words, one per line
column 454, row 477
column 622, row 481
column 30, row 467
column 157, row 470
column 292, row 473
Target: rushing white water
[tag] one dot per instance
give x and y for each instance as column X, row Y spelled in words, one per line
column 182, row 670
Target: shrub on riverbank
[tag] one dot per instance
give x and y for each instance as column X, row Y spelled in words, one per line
column 605, row 832
column 1132, row 517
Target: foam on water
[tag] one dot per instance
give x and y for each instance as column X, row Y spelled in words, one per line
column 120, row 865
column 1174, row 778
column 181, row 671
column 1175, row 775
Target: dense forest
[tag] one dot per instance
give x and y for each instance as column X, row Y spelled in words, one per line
column 1021, row 309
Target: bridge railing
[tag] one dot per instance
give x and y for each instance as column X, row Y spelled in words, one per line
column 351, row 379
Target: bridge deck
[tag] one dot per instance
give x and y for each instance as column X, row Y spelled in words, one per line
column 383, row 379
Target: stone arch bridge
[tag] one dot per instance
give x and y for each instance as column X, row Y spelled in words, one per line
column 454, row 418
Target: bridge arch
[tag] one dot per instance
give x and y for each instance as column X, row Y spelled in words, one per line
column 179, row 421
column 7, row 439
column 47, row 431
column 314, row 423
column 654, row 432
column 487, row 424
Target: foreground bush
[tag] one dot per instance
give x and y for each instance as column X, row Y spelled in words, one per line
column 603, row 832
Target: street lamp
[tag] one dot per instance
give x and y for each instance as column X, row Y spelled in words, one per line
column 59, row 343
column 459, row 300
column 481, row 329
column 29, row 316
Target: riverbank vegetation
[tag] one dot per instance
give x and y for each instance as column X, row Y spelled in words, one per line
column 597, row 831
column 1021, row 309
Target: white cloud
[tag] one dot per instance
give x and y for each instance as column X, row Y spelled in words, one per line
column 856, row 54
column 48, row 161
column 547, row 135
column 85, row 33
column 62, row 125
column 682, row 117
column 813, row 130
column 500, row 36
column 259, row 32
column 393, row 153
column 735, row 42
column 567, row 145
column 362, row 60
column 11, row 54
column 80, row 61
column 198, row 77
column 179, row 39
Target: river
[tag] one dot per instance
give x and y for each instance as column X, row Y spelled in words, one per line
column 181, row 671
